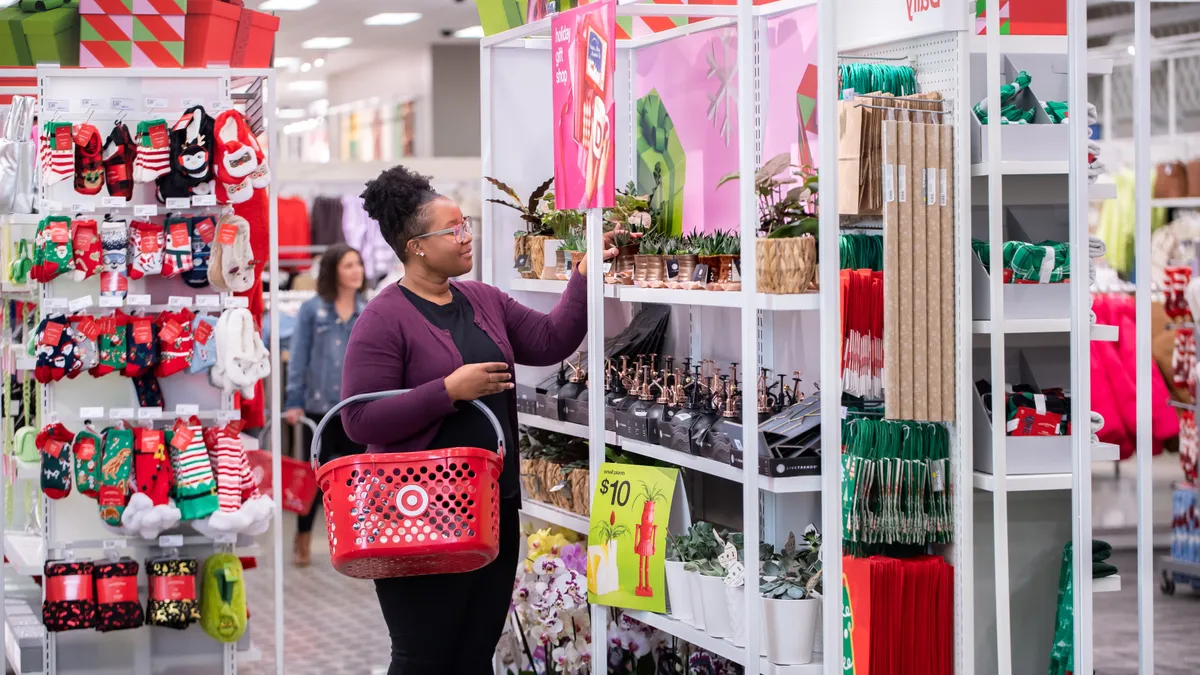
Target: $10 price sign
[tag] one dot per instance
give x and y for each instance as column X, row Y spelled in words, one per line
column 627, row 540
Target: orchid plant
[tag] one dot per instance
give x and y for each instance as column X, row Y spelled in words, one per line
column 550, row 607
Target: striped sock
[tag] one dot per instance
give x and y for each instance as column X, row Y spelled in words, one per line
column 195, row 489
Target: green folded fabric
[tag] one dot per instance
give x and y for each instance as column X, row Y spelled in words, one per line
column 1102, row 569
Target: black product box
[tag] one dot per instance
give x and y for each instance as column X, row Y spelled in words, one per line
column 808, row 464
column 527, row 399
column 631, row 424
column 574, row 410
column 789, row 442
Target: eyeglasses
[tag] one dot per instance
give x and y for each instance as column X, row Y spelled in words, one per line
column 463, row 232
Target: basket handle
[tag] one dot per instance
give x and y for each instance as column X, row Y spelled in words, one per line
column 375, row 396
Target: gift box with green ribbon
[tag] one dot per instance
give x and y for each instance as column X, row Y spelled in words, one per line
column 14, row 50
column 53, row 36
column 497, row 16
column 658, row 146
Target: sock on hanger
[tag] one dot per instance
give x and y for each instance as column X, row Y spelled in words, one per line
column 55, row 351
column 69, row 603
column 53, row 251
column 149, row 511
column 57, row 153
column 82, row 332
column 195, row 488
column 203, row 231
column 114, row 272
column 117, row 604
column 231, row 266
column 174, row 342
column 147, row 242
column 54, row 444
column 89, row 166
column 191, row 142
column 142, row 348
column 178, row 256
column 86, row 448
column 148, row 391
column 234, row 158
column 172, row 593
column 116, row 468
column 86, row 249
column 117, row 157
column 111, row 344
column 153, row 151
column 204, row 348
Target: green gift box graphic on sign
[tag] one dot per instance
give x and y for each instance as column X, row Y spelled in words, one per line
column 658, row 146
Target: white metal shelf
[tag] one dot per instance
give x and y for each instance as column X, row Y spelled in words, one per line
column 1046, row 482
column 554, row 515
column 1107, row 584
column 720, row 646
column 553, row 425
column 1100, row 332
column 1179, row 203
column 25, row 553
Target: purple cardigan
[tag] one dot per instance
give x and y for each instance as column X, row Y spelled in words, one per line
column 393, row 346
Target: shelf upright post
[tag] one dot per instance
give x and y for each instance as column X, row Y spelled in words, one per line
column 996, row 292
column 962, row 455
column 595, row 342
column 486, row 240
column 747, row 38
column 1145, row 479
column 1081, row 338
column 276, row 379
column 830, row 341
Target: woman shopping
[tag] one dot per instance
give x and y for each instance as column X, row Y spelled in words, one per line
column 314, row 375
column 449, row 342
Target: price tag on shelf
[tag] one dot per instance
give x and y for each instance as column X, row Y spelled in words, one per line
column 228, row 415
column 204, row 200
column 111, row 301
column 179, row 301
column 220, row 106
column 225, row 538
column 50, row 205
column 91, row 413
column 170, row 541
column 848, row 94
column 208, row 300
column 122, row 104
column 187, row 409
column 80, row 207
column 120, row 413
column 232, row 301
column 56, row 304
column 192, row 102
column 179, row 202
column 113, row 202
column 154, row 413
column 137, row 300
column 145, row 210
column 156, row 103
column 81, row 303
column 114, row 544
column 91, row 103
column 56, row 105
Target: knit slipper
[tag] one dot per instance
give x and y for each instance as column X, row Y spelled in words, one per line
column 54, row 444
column 86, row 249
column 147, row 244
column 260, row 178
column 114, row 270
column 153, row 151
column 58, row 152
column 118, row 155
column 203, row 232
column 89, row 168
column 242, row 359
column 177, row 258
column 235, row 159
column 191, row 156
column 231, row 266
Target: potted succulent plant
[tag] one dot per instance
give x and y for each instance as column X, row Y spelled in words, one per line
column 650, row 267
column 719, row 252
column 575, row 244
column 559, row 223
column 679, row 592
column 528, row 241
column 735, row 584
column 701, row 548
column 712, row 587
column 790, row 584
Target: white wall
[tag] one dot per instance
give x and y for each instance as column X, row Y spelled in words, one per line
column 456, row 119
column 402, row 74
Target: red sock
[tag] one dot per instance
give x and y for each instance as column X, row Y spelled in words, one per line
column 86, row 249
column 174, row 342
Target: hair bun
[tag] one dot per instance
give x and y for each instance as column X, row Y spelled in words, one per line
column 396, row 195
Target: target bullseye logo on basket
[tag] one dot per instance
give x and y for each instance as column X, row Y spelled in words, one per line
column 413, row 500
column 918, row 6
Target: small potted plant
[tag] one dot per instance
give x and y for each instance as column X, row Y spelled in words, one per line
column 528, row 241
column 575, row 244
column 650, row 267
column 679, row 591
column 712, row 587
column 702, row 548
column 558, row 223
column 719, row 252
column 790, row 584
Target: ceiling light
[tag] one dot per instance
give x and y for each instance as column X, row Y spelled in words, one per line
column 1131, row 49
column 326, row 43
column 392, row 19
column 305, row 67
column 307, row 85
column 285, row 62
column 472, row 32
column 286, row 5
column 317, row 63
column 290, row 113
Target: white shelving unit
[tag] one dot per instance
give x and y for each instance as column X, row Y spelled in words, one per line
column 554, row 516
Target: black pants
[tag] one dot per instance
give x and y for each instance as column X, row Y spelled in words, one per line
column 449, row 624
column 334, row 443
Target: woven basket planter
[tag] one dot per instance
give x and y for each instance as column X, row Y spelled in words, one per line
column 580, row 494
column 531, row 478
column 786, row 266
column 552, row 475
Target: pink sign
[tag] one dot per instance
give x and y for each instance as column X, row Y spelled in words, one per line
column 584, row 60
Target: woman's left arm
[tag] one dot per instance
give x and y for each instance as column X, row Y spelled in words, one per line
column 545, row 339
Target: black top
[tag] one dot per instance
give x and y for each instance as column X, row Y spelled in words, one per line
column 468, row 427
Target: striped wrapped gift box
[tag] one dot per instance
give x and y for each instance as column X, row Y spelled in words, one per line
column 157, row 41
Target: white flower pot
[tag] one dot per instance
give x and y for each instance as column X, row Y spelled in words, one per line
column 679, row 592
column 788, row 630
column 716, row 608
column 735, row 600
column 697, row 600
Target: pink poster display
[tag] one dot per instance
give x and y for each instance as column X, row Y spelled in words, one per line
column 584, row 59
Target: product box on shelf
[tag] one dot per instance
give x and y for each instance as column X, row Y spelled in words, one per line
column 1025, row 17
column 53, row 36
column 1025, row 454
column 106, row 41
column 575, row 410
column 160, row 7
column 158, row 41
column 14, row 49
column 1021, row 301
column 219, row 33
column 109, row 7
column 526, row 399
column 1038, row 141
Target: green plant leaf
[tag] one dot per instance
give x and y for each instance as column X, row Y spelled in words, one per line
column 536, row 196
column 808, row 225
column 506, row 190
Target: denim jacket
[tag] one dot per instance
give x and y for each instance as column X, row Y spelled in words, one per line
column 318, row 346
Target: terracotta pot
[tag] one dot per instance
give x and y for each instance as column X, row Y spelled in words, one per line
column 725, row 272
column 650, row 269
column 641, row 268
column 714, row 266
column 623, row 264
column 687, row 266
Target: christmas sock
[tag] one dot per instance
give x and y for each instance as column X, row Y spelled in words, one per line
column 234, row 159
column 58, row 154
column 89, row 167
column 69, row 603
column 115, row 468
column 146, row 244
column 178, row 256
column 55, row 351
column 223, row 598
column 140, row 337
column 82, row 332
column 151, row 466
column 114, row 274
column 53, row 250
column 231, row 266
column 172, row 593
column 111, row 344
column 86, row 249
column 118, row 156
column 204, row 352
column 153, row 151
column 54, row 444
column 191, row 142
column 195, row 487
column 204, row 230
column 86, row 448
column 174, row 342
column 261, row 176
column 149, row 393
column 117, row 605
column 226, row 454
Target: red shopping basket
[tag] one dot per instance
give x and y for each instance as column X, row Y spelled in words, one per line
column 411, row 513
